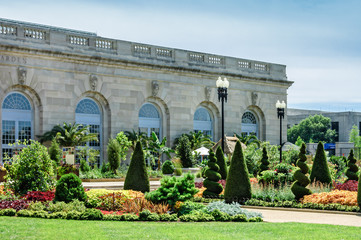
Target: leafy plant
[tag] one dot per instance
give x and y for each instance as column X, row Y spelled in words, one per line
column 31, row 170
column 183, row 151
column 124, row 144
column 84, row 166
column 188, row 206
column 231, row 209
column 54, row 151
column 114, row 154
column 320, row 171
column 160, row 147
column 69, row 187
column 196, row 140
column 39, row 196
column 17, row 204
column 168, row 167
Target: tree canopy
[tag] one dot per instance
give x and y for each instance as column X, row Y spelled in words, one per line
column 317, row 128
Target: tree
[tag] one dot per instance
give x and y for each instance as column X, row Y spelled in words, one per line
column 213, row 188
column 124, row 145
column 320, row 171
column 299, row 141
column 134, row 137
column 114, row 154
column 238, row 185
column 317, row 128
column 248, row 139
column 54, row 151
column 221, row 163
column 264, row 161
column 196, row 140
column 352, row 168
column 159, row 146
column 298, row 188
column 183, row 151
column 137, row 176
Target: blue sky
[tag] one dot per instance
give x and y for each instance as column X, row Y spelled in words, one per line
column 318, row 40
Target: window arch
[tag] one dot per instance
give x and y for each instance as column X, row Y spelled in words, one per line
column 202, row 121
column 149, row 120
column 16, row 121
column 249, row 124
column 87, row 113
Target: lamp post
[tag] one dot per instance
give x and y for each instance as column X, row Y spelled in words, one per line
column 280, row 114
column 222, row 86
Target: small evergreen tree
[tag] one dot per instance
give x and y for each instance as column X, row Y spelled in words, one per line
column 137, row 176
column 213, row 188
column 352, row 168
column 221, row 163
column 54, row 151
column 114, row 154
column 184, row 152
column 320, row 171
column 168, row 167
column 298, row 188
column 238, row 185
column 264, row 161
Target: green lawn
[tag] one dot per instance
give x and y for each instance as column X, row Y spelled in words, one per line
column 33, row 228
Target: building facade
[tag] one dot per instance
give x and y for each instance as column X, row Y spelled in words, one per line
column 52, row 75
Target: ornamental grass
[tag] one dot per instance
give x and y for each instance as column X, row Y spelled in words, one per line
column 336, row 196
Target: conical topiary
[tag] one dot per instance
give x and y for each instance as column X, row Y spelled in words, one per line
column 238, row 185
column 320, row 171
column 137, row 176
column 221, row 163
column 264, row 161
column 298, row 188
column 213, row 188
column 352, row 168
column 359, row 191
column 184, row 152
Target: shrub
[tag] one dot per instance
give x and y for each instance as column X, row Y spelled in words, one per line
column 113, row 150
column 58, row 215
column 350, row 185
column 359, row 191
column 352, row 168
column 36, row 206
column 137, row 176
column 40, row 214
column 129, row 217
column 335, row 196
column 91, row 214
column 299, row 186
column 168, row 217
column 231, row 209
column 189, row 206
column 168, row 167
column 25, row 213
column 173, row 189
column 15, row 204
column 8, row 212
column 220, row 216
column 138, row 204
column 178, row 172
column 54, row 151
column 31, row 170
column 320, row 171
column 69, row 187
column 221, row 162
column 39, row 196
column 124, row 144
column 112, row 201
column 264, row 161
column 239, row 218
column 197, row 216
column 238, row 185
column 213, row 188
column 74, row 215
column 74, row 205
column 184, row 151
column 84, row 166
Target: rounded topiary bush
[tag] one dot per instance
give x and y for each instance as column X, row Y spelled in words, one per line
column 69, row 187
column 213, row 188
column 320, row 172
column 298, row 188
column 352, row 168
column 168, row 167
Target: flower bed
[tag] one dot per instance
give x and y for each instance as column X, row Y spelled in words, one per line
column 342, row 197
column 351, row 185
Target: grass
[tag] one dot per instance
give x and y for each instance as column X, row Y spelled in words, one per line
column 33, row 228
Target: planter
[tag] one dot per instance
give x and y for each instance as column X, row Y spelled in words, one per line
column 2, row 175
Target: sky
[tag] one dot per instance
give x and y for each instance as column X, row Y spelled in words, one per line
column 318, row 40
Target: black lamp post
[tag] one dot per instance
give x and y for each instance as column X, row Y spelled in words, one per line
column 281, row 114
column 222, row 86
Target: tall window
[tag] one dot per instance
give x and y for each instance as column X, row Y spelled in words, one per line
column 249, row 124
column 202, row 121
column 87, row 113
column 16, row 121
column 149, row 120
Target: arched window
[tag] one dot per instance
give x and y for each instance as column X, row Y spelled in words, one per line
column 16, row 121
column 202, row 121
column 249, row 124
column 149, row 120
column 87, row 113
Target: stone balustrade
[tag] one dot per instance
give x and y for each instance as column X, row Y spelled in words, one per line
column 86, row 41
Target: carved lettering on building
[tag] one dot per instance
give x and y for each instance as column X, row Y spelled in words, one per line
column 13, row 59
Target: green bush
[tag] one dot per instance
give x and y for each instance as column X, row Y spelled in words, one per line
column 197, row 216
column 184, row 151
column 221, row 162
column 113, row 150
column 146, row 215
column 239, row 218
column 40, row 214
column 58, row 215
column 213, row 188
column 129, row 217
column 31, row 170
column 168, row 167
column 137, row 176
column 299, row 186
column 168, row 217
column 178, row 172
column 74, row 205
column 188, row 206
column 69, row 187
column 8, row 212
column 264, row 161
column 91, row 214
column 84, row 166
column 220, row 216
column 74, row 215
column 25, row 213
column 238, row 185
column 359, row 191
column 352, row 168
column 54, row 151
column 173, row 189
column 320, row 171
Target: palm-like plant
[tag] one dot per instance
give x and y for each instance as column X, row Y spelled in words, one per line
column 134, row 137
column 197, row 140
column 159, row 146
column 248, row 139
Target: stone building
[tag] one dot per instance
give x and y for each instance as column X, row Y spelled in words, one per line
column 52, row 75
